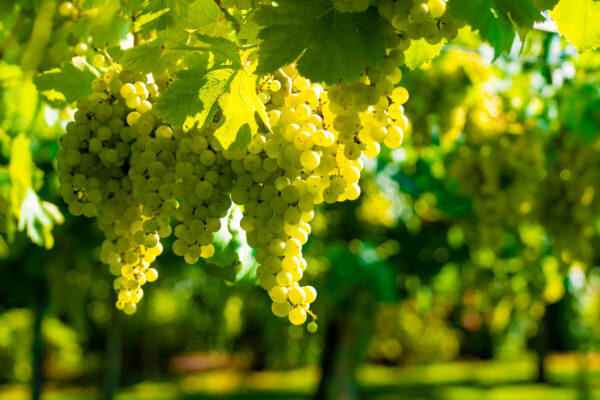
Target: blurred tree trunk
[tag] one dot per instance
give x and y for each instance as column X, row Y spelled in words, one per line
column 37, row 347
column 346, row 338
column 583, row 381
column 112, row 360
column 541, row 348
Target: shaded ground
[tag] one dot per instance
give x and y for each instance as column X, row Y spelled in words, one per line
column 452, row 381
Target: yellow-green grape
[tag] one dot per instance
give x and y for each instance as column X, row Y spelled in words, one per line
column 312, row 327
column 130, row 308
column 310, row 294
column 282, row 309
column 81, row 49
column 65, row 9
column 297, row 295
column 437, row 8
column 297, row 315
column 98, row 60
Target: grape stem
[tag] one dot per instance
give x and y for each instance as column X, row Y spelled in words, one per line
column 110, row 60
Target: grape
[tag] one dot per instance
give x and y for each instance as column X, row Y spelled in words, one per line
column 297, row 315
column 65, row 9
column 312, row 327
column 80, row 48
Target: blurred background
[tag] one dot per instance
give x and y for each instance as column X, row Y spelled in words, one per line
column 466, row 270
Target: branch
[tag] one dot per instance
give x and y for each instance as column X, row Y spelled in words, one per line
column 229, row 16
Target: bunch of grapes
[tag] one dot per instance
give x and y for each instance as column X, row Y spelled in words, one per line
column 311, row 156
column 501, row 176
column 418, row 19
column 122, row 165
column 113, row 165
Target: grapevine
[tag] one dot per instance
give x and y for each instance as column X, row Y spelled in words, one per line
column 268, row 125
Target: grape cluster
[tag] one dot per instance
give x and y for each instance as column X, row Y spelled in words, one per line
column 418, row 19
column 121, row 164
column 112, row 166
column 310, row 157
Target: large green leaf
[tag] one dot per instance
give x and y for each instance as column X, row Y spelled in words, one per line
column 333, row 45
column 205, row 17
column 176, row 18
column 191, row 98
column 579, row 21
column 69, row 83
column 242, row 109
column 545, row 4
column 149, row 58
column 497, row 20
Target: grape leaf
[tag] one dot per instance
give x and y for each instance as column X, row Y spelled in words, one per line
column 333, row 45
column 189, row 99
column 224, row 50
column 492, row 26
column 177, row 18
column 248, row 33
column 20, row 171
column 69, row 83
column 205, row 17
column 522, row 13
column 421, row 52
column 240, row 106
column 192, row 98
column 106, row 27
column 149, row 57
column 578, row 21
column 545, row 4
column 496, row 19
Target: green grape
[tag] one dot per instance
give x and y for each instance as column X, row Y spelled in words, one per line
column 297, row 315
column 282, row 309
column 65, row 9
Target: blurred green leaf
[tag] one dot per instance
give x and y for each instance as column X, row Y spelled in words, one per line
column 20, row 170
column 69, row 83
column 578, row 21
column 106, row 28
column 494, row 19
column 38, row 220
